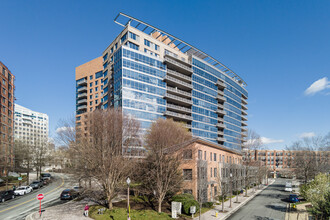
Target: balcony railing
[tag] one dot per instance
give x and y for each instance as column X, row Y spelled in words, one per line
column 221, row 93
column 221, row 139
column 178, row 115
column 221, row 125
column 220, row 119
column 244, row 101
column 244, row 124
column 178, row 64
column 179, row 91
column 221, row 84
column 82, row 101
column 177, row 98
column 221, row 112
column 244, row 134
column 244, row 112
column 220, row 133
column 221, row 98
column 80, row 95
column 244, row 107
column 244, row 129
column 82, row 82
column 178, row 108
column 244, row 118
column 179, row 82
column 179, row 75
column 82, row 107
column 84, row 88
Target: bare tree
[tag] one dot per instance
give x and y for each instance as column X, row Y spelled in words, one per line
column 202, row 182
column 250, row 148
column 160, row 170
column 223, row 181
column 100, row 153
column 308, row 157
column 24, row 158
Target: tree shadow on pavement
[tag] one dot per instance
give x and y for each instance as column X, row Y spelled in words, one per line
column 276, row 207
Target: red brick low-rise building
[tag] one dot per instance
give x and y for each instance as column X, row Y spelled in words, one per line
column 205, row 158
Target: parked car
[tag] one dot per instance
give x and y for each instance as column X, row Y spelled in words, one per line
column 69, row 194
column 37, row 184
column 293, row 198
column 45, row 176
column 45, row 182
column 5, row 195
column 22, row 190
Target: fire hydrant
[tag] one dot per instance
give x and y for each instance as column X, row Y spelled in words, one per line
column 216, row 213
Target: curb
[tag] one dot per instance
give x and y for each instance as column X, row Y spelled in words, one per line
column 243, row 203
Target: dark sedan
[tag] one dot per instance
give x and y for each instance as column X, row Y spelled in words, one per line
column 5, row 195
column 36, row 184
column 68, row 194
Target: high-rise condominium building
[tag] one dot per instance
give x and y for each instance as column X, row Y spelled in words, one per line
column 88, row 90
column 30, row 126
column 6, row 119
column 152, row 74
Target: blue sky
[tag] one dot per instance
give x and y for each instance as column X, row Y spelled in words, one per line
column 280, row 48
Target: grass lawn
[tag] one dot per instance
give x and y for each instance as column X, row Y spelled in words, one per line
column 121, row 214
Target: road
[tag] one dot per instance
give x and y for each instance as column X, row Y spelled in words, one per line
column 270, row 204
column 21, row 206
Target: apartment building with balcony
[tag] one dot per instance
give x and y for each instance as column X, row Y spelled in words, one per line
column 30, row 126
column 152, row 74
column 89, row 90
column 6, row 119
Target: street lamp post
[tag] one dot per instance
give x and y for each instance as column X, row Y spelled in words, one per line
column 128, row 181
column 231, row 186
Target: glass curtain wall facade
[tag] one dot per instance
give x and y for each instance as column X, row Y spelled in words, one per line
column 150, row 77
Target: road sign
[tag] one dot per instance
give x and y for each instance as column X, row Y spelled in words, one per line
column 40, row 196
column 19, row 178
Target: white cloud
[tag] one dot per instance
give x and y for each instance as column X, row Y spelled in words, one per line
column 318, row 86
column 307, row 135
column 62, row 129
column 265, row 140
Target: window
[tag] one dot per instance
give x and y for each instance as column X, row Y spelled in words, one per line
column 133, row 36
column 187, row 154
column 91, row 96
column 156, row 47
column 200, row 154
column 3, row 71
column 215, row 157
column 96, row 89
column 210, row 156
column 96, row 102
column 187, row 174
column 131, row 45
column 215, row 172
column 146, row 42
column 189, row 191
column 96, row 95
column 90, row 103
column 96, row 82
column 219, row 157
column 90, row 77
column 90, row 84
column 90, row 109
column 204, row 155
column 116, row 46
column 105, row 56
column 91, row 90
column 123, row 38
column 211, row 172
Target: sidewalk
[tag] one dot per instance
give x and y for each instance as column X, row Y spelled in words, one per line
column 300, row 214
column 67, row 211
column 235, row 206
